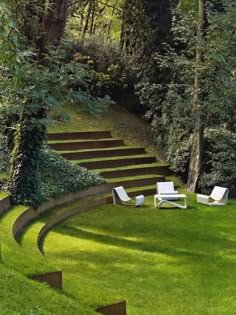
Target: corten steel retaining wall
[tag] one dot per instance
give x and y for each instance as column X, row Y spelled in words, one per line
column 113, row 309
column 79, row 135
column 54, row 279
column 117, row 162
column 160, row 170
column 5, row 204
column 31, row 213
column 90, row 144
column 67, row 214
column 102, row 153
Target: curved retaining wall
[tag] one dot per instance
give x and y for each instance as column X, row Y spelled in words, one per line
column 67, row 214
column 5, row 204
column 31, row 213
column 23, row 219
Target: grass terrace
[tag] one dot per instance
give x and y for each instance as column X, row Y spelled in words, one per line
column 164, row 262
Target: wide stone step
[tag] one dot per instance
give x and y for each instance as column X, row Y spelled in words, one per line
column 102, row 153
column 92, row 144
column 138, row 182
column 136, row 170
column 79, row 135
column 117, row 162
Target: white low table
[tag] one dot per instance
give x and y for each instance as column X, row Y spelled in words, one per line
column 164, row 199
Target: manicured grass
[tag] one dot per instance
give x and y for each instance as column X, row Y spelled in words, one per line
column 123, row 157
column 129, row 127
column 20, row 295
column 3, row 194
column 12, row 254
column 82, row 140
column 101, row 149
column 133, row 166
column 131, row 177
column 160, row 261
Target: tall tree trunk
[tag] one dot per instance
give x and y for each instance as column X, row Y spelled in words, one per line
column 24, row 182
column 54, row 22
column 92, row 18
column 87, row 18
column 197, row 143
column 110, row 24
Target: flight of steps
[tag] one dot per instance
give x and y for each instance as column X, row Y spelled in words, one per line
column 119, row 164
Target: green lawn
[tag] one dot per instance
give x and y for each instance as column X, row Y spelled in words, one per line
column 20, row 295
column 160, row 261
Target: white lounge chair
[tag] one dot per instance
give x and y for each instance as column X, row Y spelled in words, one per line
column 167, row 188
column 219, row 195
column 119, row 195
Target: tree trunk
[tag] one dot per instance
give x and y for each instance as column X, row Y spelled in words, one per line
column 126, row 16
column 24, row 182
column 92, row 18
column 110, row 23
column 87, row 18
column 197, row 143
column 54, row 22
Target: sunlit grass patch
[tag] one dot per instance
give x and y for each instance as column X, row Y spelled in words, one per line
column 161, row 261
column 3, row 194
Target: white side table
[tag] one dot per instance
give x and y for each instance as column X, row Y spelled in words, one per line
column 164, row 199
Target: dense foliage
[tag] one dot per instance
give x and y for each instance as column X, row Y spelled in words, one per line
column 60, row 176
column 31, row 86
column 169, row 100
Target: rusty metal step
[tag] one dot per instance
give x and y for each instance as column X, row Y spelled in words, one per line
column 138, row 182
column 102, row 153
column 92, row 144
column 137, row 170
column 117, row 162
column 79, row 135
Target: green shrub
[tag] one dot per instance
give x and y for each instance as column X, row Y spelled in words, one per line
column 177, row 155
column 99, row 64
column 219, row 163
column 219, row 159
column 60, row 176
column 105, row 53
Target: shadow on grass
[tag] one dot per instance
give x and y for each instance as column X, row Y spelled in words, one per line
column 184, row 239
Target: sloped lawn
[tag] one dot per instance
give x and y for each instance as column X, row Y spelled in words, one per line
column 160, row 261
column 20, row 295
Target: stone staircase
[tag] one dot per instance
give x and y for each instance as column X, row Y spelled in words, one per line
column 120, row 164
